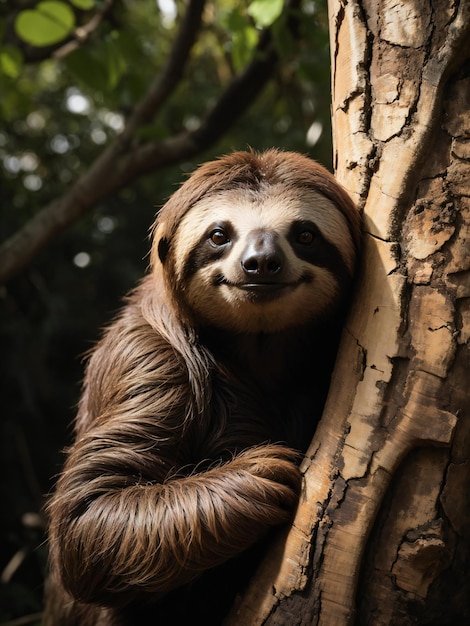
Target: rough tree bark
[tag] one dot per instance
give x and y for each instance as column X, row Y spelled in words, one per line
column 382, row 532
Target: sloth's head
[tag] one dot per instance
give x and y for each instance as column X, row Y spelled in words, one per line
column 258, row 243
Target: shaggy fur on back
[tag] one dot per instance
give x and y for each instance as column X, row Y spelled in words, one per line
column 187, row 434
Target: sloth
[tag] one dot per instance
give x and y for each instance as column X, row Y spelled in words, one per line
column 201, row 395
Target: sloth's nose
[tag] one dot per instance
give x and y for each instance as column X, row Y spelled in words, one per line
column 262, row 256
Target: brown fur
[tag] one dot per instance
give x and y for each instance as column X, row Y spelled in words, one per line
column 177, row 465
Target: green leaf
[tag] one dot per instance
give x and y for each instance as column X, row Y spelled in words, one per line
column 83, row 4
column 244, row 36
column 11, row 61
column 47, row 24
column 115, row 61
column 265, row 12
column 99, row 67
column 243, row 43
column 235, row 20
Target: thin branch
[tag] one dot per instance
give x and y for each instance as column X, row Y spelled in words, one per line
column 233, row 102
column 172, row 73
column 83, row 33
column 119, row 164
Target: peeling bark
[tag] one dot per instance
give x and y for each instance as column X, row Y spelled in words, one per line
column 382, row 532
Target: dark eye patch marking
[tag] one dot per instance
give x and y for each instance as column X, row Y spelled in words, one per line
column 206, row 251
column 317, row 250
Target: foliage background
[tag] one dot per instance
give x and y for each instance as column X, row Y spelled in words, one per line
column 56, row 117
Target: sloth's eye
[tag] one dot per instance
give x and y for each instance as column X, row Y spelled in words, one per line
column 218, row 237
column 305, row 238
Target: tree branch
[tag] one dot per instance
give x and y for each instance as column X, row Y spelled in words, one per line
column 119, row 164
column 100, row 180
column 233, row 102
column 172, row 72
column 83, row 33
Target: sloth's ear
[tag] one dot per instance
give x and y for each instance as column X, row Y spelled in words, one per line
column 163, row 248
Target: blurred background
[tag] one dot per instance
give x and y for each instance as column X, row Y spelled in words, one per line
column 65, row 97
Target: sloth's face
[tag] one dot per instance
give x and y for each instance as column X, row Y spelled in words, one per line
column 251, row 261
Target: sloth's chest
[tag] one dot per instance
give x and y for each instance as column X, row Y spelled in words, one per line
column 241, row 416
column 266, row 389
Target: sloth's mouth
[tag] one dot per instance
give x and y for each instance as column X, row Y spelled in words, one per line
column 261, row 291
column 264, row 292
column 262, row 286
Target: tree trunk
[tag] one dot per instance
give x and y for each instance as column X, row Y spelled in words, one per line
column 382, row 532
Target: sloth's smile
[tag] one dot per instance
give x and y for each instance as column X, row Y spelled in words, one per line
column 263, row 290
column 262, row 286
column 258, row 291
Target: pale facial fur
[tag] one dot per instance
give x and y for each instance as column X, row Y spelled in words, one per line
column 275, row 209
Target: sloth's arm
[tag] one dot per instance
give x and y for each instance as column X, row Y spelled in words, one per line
column 124, row 519
column 116, row 541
